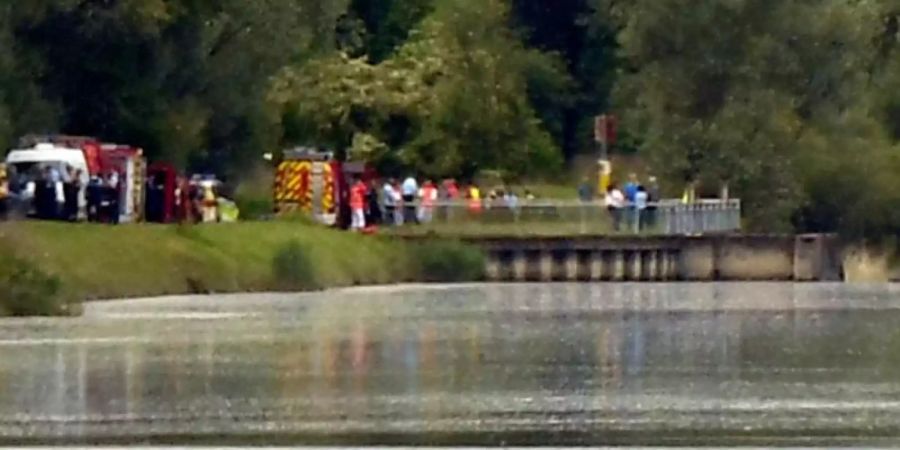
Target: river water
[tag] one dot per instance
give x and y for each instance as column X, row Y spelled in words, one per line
column 557, row 364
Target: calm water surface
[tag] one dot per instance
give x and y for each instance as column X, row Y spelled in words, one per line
column 482, row 364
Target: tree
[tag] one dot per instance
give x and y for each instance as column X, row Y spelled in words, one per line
column 451, row 101
column 724, row 91
column 388, row 23
column 580, row 32
column 185, row 79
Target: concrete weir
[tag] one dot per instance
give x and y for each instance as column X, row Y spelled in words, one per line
column 677, row 258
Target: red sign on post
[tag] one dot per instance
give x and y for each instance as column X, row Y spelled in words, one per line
column 606, row 129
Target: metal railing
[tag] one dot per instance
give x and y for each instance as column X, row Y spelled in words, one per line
column 668, row 217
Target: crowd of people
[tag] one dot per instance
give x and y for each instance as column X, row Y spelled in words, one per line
column 634, row 205
column 48, row 193
column 396, row 203
column 392, row 202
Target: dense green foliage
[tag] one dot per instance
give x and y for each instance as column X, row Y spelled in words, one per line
column 26, row 290
column 794, row 104
column 448, row 261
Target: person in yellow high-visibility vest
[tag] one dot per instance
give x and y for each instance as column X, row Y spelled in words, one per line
column 209, row 206
column 474, row 199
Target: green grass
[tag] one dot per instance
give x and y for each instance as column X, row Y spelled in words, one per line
column 101, row 262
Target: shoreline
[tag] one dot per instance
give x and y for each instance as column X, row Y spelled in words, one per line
column 100, row 263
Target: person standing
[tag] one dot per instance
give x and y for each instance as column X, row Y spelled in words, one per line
column 452, row 190
column 111, row 199
column 427, row 196
column 640, row 207
column 615, row 202
column 358, row 205
column 410, row 189
column 94, row 199
column 474, row 199
column 71, row 191
column 389, row 200
column 373, row 206
column 631, row 188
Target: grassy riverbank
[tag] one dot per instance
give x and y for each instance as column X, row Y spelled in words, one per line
column 100, row 262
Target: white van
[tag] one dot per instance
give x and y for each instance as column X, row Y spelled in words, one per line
column 27, row 164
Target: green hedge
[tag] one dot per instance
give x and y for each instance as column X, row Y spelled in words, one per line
column 26, row 290
column 448, row 261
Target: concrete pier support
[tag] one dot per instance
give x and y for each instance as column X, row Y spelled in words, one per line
column 596, row 264
column 520, row 266
column 683, row 258
column 636, row 266
column 672, row 269
column 618, row 266
column 493, row 268
column 572, row 266
column 652, row 262
column 664, row 270
column 546, row 266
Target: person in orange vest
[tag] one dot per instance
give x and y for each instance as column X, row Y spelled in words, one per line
column 427, row 196
column 358, row 205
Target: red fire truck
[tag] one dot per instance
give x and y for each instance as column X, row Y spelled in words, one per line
column 313, row 182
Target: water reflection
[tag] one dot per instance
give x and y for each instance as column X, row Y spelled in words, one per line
column 490, row 359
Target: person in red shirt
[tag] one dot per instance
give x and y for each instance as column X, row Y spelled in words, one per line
column 452, row 189
column 358, row 205
column 428, row 195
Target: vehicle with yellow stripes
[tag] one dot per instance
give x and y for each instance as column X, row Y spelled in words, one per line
column 309, row 182
column 315, row 183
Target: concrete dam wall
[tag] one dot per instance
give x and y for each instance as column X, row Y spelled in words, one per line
column 681, row 258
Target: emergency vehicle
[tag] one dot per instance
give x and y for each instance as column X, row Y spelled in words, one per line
column 315, row 183
column 88, row 155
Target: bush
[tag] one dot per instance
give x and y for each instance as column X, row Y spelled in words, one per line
column 293, row 268
column 26, row 290
column 448, row 261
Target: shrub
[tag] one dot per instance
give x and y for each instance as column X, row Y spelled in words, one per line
column 448, row 261
column 293, row 268
column 26, row 290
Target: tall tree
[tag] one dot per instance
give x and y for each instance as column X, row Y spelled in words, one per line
column 451, row 101
column 388, row 23
column 582, row 36
column 723, row 91
column 183, row 78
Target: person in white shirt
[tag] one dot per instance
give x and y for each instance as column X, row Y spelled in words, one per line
column 410, row 189
column 615, row 202
column 389, row 199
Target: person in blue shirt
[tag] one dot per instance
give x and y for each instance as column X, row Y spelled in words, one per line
column 631, row 188
column 641, row 200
